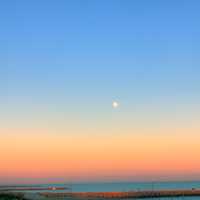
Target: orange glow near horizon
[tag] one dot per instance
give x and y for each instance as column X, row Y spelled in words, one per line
column 91, row 157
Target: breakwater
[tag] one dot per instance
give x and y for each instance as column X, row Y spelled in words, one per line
column 126, row 195
column 32, row 188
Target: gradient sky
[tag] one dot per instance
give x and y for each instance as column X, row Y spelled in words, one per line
column 63, row 63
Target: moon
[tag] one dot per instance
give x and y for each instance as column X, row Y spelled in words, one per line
column 115, row 104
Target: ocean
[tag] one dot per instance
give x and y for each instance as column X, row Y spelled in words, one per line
column 127, row 186
column 138, row 186
column 131, row 186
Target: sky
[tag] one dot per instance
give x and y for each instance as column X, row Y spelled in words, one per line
column 63, row 64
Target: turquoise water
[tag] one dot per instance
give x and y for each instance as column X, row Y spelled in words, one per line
column 135, row 186
column 128, row 186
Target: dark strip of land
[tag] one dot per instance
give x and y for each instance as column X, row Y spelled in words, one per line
column 33, row 188
column 127, row 195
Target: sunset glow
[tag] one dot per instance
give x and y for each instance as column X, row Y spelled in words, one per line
column 79, row 157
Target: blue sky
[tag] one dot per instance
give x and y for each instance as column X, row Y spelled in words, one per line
column 79, row 54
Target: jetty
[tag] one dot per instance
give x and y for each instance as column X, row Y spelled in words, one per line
column 7, row 189
column 126, row 195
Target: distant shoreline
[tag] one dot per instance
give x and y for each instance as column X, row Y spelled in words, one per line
column 28, row 188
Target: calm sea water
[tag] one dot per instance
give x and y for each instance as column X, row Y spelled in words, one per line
column 135, row 186
column 129, row 186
